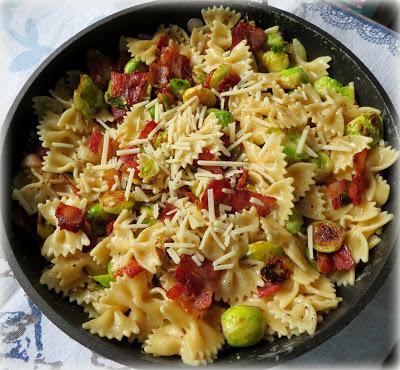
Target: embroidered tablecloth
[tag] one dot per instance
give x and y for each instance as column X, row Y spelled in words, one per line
column 30, row 30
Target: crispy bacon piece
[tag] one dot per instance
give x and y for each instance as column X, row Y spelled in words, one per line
column 245, row 31
column 227, row 82
column 176, row 291
column 70, row 183
column 341, row 260
column 359, row 182
column 268, row 290
column 110, row 227
column 158, row 75
column 275, row 271
column 219, row 195
column 241, row 201
column 149, row 127
column 132, row 269
column 163, row 41
column 336, row 191
column 325, row 263
column 69, row 218
column 199, row 284
column 100, row 67
column 191, row 196
column 243, row 179
column 118, row 113
column 96, row 143
column 129, row 86
column 164, row 214
column 130, row 161
column 108, row 177
column 206, row 155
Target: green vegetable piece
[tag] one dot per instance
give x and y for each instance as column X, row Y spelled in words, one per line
column 275, row 42
column 368, row 124
column 149, row 169
column 243, row 326
column 328, row 236
column 118, row 101
column 43, row 228
column 263, row 250
column 293, row 77
column 290, row 143
column 224, row 117
column 152, row 111
column 133, row 65
column 199, row 77
column 88, row 98
column 106, row 279
column 178, row 86
column 275, row 61
column 99, row 218
column 161, row 137
column 295, row 222
column 310, row 260
column 326, row 83
column 114, row 202
column 148, row 212
column 324, row 165
column 222, row 71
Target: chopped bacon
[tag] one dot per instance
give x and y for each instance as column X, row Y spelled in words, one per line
column 100, row 67
column 199, row 282
column 325, row 263
column 335, row 191
column 171, row 64
column 69, row 217
column 109, row 177
column 176, row 291
column 343, row 259
column 169, row 94
column 132, row 269
column 130, row 161
column 96, row 141
column 118, row 113
column 219, row 195
column 206, row 155
column 241, row 201
column 130, row 86
column 243, row 179
column 149, row 127
column 359, row 182
column 191, row 196
column 227, row 82
column 268, row 290
column 110, row 227
column 164, row 214
column 163, row 41
column 245, row 31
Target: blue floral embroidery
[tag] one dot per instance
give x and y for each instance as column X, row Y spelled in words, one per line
column 337, row 17
column 29, row 39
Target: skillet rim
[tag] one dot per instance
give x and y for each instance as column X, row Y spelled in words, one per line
column 65, row 326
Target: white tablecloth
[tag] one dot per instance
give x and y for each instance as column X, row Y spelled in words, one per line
column 29, row 31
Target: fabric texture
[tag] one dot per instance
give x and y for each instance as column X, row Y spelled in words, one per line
column 30, row 31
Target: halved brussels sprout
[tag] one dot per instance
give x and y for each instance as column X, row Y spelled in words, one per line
column 133, row 65
column 88, row 98
column 324, row 165
column 275, row 42
column 325, row 83
column 148, row 212
column 178, row 86
column 99, row 218
column 275, row 61
column 368, row 124
column 118, row 101
column 149, row 169
column 295, row 222
column 328, row 236
column 105, row 279
column 263, row 250
column 114, row 202
column 222, row 71
column 224, row 117
column 291, row 78
column 206, row 97
column 243, row 326
column 162, row 137
column 290, row 143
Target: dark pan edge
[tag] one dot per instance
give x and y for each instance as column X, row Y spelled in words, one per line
column 55, row 318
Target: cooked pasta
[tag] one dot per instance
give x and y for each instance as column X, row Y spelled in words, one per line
column 205, row 176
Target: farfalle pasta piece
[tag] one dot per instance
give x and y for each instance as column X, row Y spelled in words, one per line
column 381, row 158
column 199, row 39
column 64, row 242
column 73, row 120
column 286, row 116
column 42, row 105
column 194, row 340
column 328, row 118
column 226, row 16
column 303, row 177
column 145, row 50
column 344, row 278
column 313, row 203
column 220, row 35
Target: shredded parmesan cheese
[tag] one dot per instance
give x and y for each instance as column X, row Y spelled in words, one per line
column 310, row 241
column 303, row 139
column 106, row 142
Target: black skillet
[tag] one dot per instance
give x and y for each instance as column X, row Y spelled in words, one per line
column 23, row 251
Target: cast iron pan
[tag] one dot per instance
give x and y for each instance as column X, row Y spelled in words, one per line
column 23, row 250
